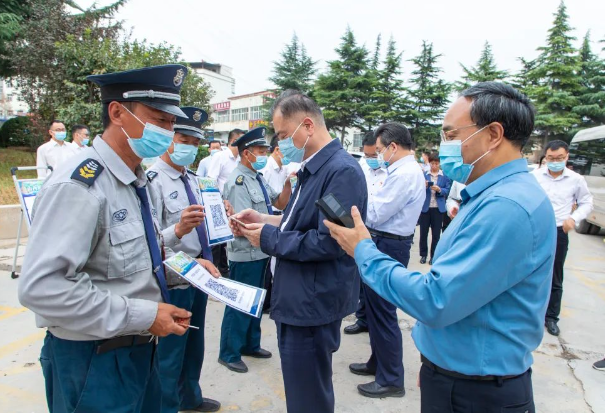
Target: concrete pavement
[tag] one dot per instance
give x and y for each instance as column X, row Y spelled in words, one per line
column 564, row 381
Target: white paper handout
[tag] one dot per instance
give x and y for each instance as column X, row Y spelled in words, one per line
column 217, row 223
column 242, row 297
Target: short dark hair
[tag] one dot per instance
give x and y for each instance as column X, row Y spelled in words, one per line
column 211, row 142
column 234, row 133
column 369, row 139
column 556, row 145
column 434, row 157
column 426, row 152
column 50, row 125
column 502, row 103
column 291, row 102
column 274, row 143
column 394, row 132
column 76, row 128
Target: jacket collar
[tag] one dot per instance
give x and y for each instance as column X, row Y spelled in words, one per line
column 169, row 170
column 117, row 166
column 246, row 171
column 321, row 157
column 492, row 177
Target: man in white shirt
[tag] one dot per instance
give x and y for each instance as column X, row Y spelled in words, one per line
column 221, row 166
column 454, row 199
column 425, row 164
column 375, row 176
column 223, row 163
column 392, row 214
column 80, row 137
column 278, row 168
column 564, row 188
column 202, row 168
column 54, row 152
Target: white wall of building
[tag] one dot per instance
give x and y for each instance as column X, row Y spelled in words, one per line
column 244, row 113
column 11, row 104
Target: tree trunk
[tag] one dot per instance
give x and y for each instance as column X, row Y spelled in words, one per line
column 342, row 136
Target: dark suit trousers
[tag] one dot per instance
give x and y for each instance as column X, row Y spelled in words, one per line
column 219, row 258
column 432, row 219
column 385, row 336
column 306, row 363
column 556, row 290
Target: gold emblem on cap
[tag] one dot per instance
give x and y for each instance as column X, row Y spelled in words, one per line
column 178, row 78
column 197, row 115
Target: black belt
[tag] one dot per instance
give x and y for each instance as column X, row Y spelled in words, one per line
column 123, row 341
column 457, row 375
column 376, row 233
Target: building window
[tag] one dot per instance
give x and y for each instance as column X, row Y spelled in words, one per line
column 357, row 139
column 239, row 114
column 257, row 112
column 222, row 116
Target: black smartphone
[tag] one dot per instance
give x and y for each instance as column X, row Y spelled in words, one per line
column 431, row 183
column 334, row 211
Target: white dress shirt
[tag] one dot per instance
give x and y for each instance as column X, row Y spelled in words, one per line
column 202, row 168
column 52, row 154
column 374, row 178
column 221, row 166
column 396, row 207
column 76, row 148
column 564, row 191
column 454, row 198
column 274, row 174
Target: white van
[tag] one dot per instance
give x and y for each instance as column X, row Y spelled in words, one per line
column 587, row 157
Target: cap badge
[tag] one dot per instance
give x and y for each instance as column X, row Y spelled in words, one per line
column 197, row 116
column 178, row 78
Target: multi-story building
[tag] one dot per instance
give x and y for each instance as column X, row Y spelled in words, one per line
column 220, row 78
column 11, row 104
column 240, row 112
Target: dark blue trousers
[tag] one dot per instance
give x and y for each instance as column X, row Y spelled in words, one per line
column 444, row 394
column 385, row 336
column 240, row 333
column 361, row 309
column 181, row 357
column 306, row 363
column 78, row 380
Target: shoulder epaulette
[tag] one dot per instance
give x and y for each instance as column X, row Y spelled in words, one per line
column 88, row 171
column 239, row 180
column 151, row 175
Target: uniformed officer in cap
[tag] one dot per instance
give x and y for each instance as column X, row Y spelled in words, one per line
column 97, row 281
column 175, row 195
column 246, row 188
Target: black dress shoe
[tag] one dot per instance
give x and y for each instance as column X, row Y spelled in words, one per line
column 236, row 366
column 259, row 354
column 208, row 405
column 431, row 261
column 361, row 369
column 375, row 390
column 552, row 328
column 422, row 260
column 355, row 329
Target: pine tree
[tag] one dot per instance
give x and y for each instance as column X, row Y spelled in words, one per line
column 485, row 70
column 592, row 98
column 554, row 82
column 429, row 97
column 295, row 69
column 341, row 91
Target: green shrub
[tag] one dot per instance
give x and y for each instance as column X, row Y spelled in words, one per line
column 16, row 132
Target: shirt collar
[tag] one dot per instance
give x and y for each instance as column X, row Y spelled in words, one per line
column 400, row 162
column 316, row 161
column 492, row 177
column 117, row 166
column 565, row 174
column 273, row 164
column 246, row 171
column 169, row 170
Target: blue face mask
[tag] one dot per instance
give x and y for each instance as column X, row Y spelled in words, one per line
column 291, row 152
column 60, row 136
column 555, row 166
column 452, row 163
column 85, row 141
column 261, row 162
column 183, row 154
column 373, row 163
column 285, row 161
column 214, row 152
column 155, row 141
column 382, row 162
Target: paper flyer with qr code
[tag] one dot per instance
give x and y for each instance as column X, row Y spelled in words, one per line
column 217, row 223
column 242, row 297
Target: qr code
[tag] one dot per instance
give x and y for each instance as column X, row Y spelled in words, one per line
column 217, row 216
column 228, row 293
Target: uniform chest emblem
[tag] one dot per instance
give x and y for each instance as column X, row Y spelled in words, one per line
column 239, row 180
column 120, row 215
column 174, row 195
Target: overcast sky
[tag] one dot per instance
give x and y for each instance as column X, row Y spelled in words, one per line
column 249, row 35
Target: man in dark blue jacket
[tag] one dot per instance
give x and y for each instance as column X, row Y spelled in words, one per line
column 316, row 284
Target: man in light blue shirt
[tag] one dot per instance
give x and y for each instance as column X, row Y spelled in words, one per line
column 202, row 169
column 393, row 212
column 480, row 309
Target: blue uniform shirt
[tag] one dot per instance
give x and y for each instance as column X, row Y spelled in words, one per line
column 481, row 308
column 315, row 281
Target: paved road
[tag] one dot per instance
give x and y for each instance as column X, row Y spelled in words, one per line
column 563, row 378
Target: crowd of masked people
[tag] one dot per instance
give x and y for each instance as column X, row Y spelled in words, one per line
column 121, row 333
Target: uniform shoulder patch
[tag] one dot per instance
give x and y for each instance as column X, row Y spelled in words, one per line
column 88, row 171
column 151, row 175
column 239, row 180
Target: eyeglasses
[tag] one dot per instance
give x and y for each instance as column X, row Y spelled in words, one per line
column 370, row 157
column 559, row 159
column 445, row 134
